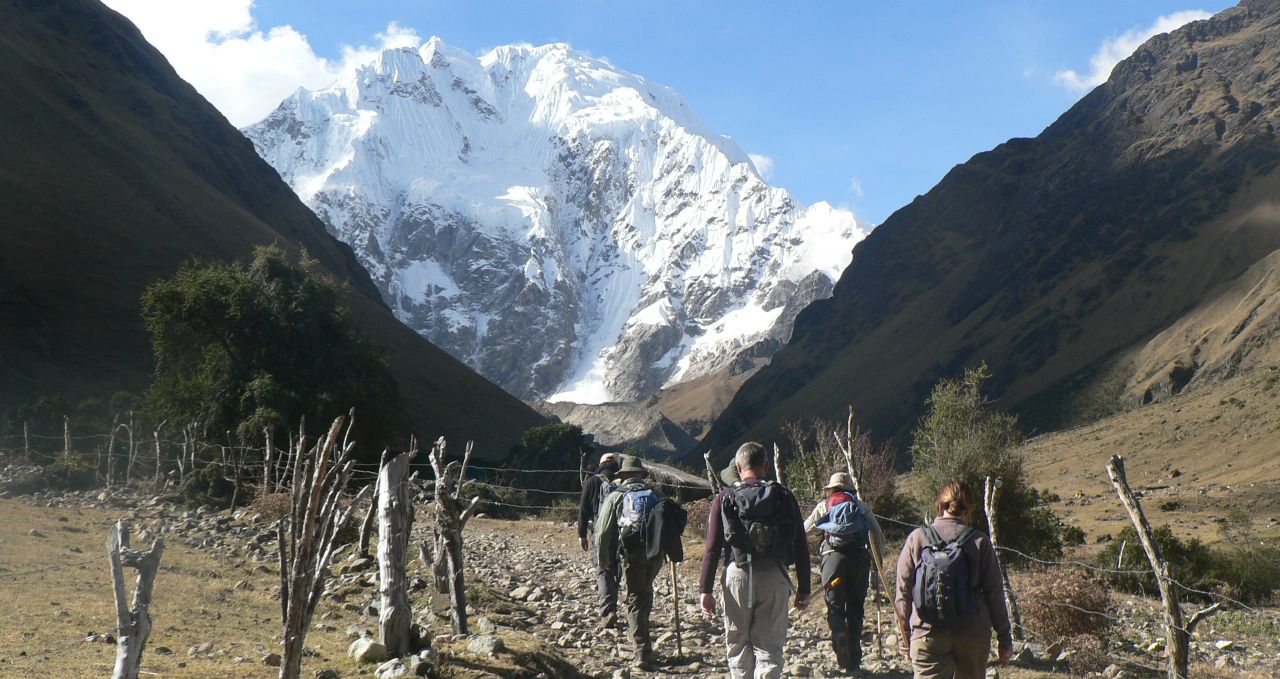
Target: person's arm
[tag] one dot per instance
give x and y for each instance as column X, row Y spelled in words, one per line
column 993, row 591
column 587, row 505
column 816, row 516
column 711, row 556
column 607, row 531
column 902, row 595
column 801, row 555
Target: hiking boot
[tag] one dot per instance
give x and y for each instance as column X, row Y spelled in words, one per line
column 609, row 620
column 643, row 659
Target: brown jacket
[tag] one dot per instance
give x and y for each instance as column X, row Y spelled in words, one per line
column 987, row 582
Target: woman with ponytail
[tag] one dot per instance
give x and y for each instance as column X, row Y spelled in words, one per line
column 950, row 594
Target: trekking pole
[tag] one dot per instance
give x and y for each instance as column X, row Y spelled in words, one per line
column 675, row 603
column 875, row 593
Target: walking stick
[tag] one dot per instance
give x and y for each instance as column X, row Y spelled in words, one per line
column 875, row 593
column 675, row 603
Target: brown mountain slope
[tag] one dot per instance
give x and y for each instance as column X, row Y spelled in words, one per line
column 113, row 172
column 1047, row 257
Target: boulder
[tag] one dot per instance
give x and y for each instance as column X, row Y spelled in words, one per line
column 366, row 650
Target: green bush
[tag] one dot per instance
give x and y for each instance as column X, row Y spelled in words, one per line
column 962, row 438
column 1250, row 574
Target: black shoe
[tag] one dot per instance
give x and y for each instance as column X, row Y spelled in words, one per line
column 609, row 620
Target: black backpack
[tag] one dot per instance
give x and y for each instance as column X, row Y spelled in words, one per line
column 944, row 593
column 758, row 522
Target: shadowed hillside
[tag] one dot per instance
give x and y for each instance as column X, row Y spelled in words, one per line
column 1050, row 258
column 115, row 172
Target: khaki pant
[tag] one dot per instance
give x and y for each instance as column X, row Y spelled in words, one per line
column 756, row 629
column 942, row 655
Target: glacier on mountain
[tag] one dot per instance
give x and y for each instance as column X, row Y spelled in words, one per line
column 572, row 231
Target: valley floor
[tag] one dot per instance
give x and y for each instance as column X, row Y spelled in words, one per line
column 217, row 578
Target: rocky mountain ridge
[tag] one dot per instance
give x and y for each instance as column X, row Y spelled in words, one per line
column 572, row 231
column 1053, row 259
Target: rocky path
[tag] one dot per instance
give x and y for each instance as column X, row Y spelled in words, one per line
column 532, row 576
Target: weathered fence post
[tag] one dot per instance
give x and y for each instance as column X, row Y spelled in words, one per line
column 990, row 497
column 1177, row 635
column 395, row 520
column 266, row 460
column 156, row 435
column 132, row 626
column 306, row 537
column 133, row 451
column 446, row 562
column 777, row 465
column 711, row 474
column 66, row 435
column 366, row 528
column 26, row 441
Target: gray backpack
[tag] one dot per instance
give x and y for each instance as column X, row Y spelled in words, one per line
column 944, row 593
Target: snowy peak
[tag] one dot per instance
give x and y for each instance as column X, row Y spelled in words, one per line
column 569, row 229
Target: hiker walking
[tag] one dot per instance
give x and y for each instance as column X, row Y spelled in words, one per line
column 594, row 491
column 949, row 588
column 756, row 525
column 621, row 538
column 846, row 564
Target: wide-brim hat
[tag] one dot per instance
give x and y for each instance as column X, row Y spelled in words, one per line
column 729, row 475
column 840, row 480
column 632, row 465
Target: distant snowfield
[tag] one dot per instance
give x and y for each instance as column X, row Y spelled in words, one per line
column 572, row 231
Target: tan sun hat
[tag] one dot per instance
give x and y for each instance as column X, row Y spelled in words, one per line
column 840, row 480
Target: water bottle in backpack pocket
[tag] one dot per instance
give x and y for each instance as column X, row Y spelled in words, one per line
column 944, row 592
column 637, row 505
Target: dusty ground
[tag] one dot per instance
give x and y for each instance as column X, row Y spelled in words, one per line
column 220, row 592
column 1195, row 457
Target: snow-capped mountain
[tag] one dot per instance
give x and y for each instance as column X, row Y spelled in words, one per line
column 572, row 231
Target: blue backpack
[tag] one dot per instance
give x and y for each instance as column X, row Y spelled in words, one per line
column 637, row 505
column 944, row 593
column 846, row 525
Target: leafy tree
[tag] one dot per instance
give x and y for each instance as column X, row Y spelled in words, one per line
column 962, row 437
column 244, row 345
column 549, row 446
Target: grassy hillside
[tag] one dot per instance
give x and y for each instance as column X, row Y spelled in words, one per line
column 1048, row 257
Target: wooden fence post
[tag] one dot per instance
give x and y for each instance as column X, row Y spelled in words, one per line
column 366, row 528
column 711, row 474
column 156, row 434
column 395, row 521
column 306, row 545
column 133, row 626
column 450, row 518
column 66, row 435
column 266, row 460
column 1177, row 635
column 777, row 465
column 133, row 451
column 990, row 497
column 26, row 441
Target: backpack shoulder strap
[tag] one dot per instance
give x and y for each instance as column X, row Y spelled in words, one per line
column 932, row 536
column 965, row 535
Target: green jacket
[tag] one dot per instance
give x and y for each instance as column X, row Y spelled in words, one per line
column 607, row 523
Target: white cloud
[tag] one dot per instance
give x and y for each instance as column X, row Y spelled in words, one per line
column 242, row 69
column 1113, row 50
column 855, row 185
column 764, row 165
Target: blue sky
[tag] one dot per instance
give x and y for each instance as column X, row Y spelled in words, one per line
column 857, row 103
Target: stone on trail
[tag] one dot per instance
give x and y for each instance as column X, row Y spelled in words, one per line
column 484, row 625
column 400, row 667
column 271, row 660
column 200, row 649
column 485, row 644
column 366, row 650
column 520, row 593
